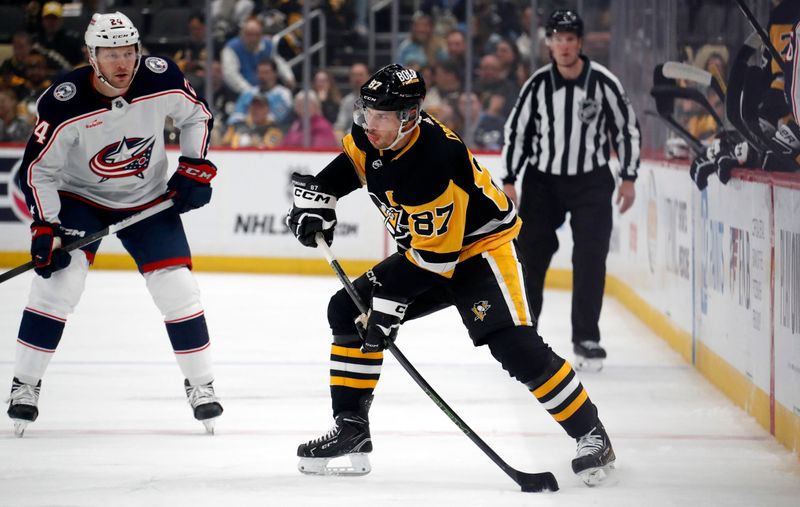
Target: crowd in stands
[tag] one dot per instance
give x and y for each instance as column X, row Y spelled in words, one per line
column 257, row 98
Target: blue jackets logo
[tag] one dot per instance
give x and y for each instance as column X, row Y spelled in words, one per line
column 129, row 157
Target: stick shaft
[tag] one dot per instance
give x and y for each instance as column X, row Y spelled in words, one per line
column 761, row 33
column 95, row 236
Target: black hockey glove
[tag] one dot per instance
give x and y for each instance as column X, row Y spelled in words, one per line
column 383, row 323
column 785, row 149
column 702, row 167
column 313, row 211
column 191, row 183
column 46, row 252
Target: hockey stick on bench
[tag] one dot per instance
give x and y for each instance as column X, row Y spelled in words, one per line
column 686, row 72
column 96, row 236
column 762, row 34
column 528, row 482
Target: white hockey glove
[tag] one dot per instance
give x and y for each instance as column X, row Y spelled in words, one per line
column 313, row 211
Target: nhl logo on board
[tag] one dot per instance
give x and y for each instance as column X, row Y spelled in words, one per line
column 65, row 91
column 377, row 164
column 156, row 64
column 587, row 110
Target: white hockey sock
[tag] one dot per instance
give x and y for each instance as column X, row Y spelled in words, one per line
column 196, row 366
column 30, row 364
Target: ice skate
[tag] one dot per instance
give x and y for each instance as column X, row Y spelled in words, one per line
column 595, row 457
column 205, row 404
column 589, row 356
column 22, row 405
column 347, row 444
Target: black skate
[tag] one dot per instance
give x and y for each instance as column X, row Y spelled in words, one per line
column 349, row 438
column 595, row 458
column 589, row 356
column 22, row 405
column 205, row 404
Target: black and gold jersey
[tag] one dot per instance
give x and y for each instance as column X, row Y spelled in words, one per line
column 437, row 201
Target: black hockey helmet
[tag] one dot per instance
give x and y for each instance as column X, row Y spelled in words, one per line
column 564, row 20
column 393, row 88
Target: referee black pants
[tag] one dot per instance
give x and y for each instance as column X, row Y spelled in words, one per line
column 544, row 202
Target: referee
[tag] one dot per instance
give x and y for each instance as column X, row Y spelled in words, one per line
column 559, row 133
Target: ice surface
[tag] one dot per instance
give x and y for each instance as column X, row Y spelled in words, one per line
column 115, row 429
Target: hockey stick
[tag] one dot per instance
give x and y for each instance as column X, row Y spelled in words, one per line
column 776, row 55
column 686, row 72
column 91, row 238
column 544, row 481
column 679, row 129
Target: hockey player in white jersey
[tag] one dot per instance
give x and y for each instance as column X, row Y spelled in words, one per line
column 792, row 84
column 96, row 156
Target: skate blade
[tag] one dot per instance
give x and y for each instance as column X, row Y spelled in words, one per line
column 597, row 476
column 586, row 364
column 19, row 427
column 359, row 465
column 209, row 424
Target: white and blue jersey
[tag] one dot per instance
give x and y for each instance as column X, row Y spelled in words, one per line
column 110, row 152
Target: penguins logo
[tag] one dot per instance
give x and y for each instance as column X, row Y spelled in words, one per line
column 129, row 157
column 480, row 309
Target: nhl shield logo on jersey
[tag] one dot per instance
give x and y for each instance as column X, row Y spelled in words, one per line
column 65, row 91
column 156, row 64
column 587, row 110
column 480, row 309
column 129, row 157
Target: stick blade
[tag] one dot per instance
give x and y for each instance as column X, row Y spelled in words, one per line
column 536, row 483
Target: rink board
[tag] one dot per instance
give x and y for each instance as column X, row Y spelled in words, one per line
column 714, row 273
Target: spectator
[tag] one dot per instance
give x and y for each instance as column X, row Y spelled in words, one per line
column 445, row 89
column 488, row 131
column 359, row 73
column 467, row 109
column 229, row 14
column 278, row 96
column 497, row 93
column 14, row 129
column 258, row 130
column 191, row 58
column 60, row 46
column 36, row 81
column 321, row 131
column 523, row 41
column 421, row 47
column 328, row 94
column 241, row 55
column 13, row 68
column 223, row 101
column 522, row 72
column 508, row 56
column 456, row 48
column 484, row 36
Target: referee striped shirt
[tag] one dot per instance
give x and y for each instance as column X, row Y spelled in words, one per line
column 563, row 127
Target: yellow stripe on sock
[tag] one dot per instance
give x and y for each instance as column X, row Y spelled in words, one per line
column 353, row 382
column 548, row 386
column 355, row 352
column 572, row 407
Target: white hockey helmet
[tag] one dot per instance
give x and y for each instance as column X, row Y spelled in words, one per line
column 108, row 31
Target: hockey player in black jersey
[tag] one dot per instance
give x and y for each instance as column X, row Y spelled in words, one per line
column 455, row 233
column 96, row 156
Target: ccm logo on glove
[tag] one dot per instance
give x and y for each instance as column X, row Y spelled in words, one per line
column 314, row 197
column 202, row 172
